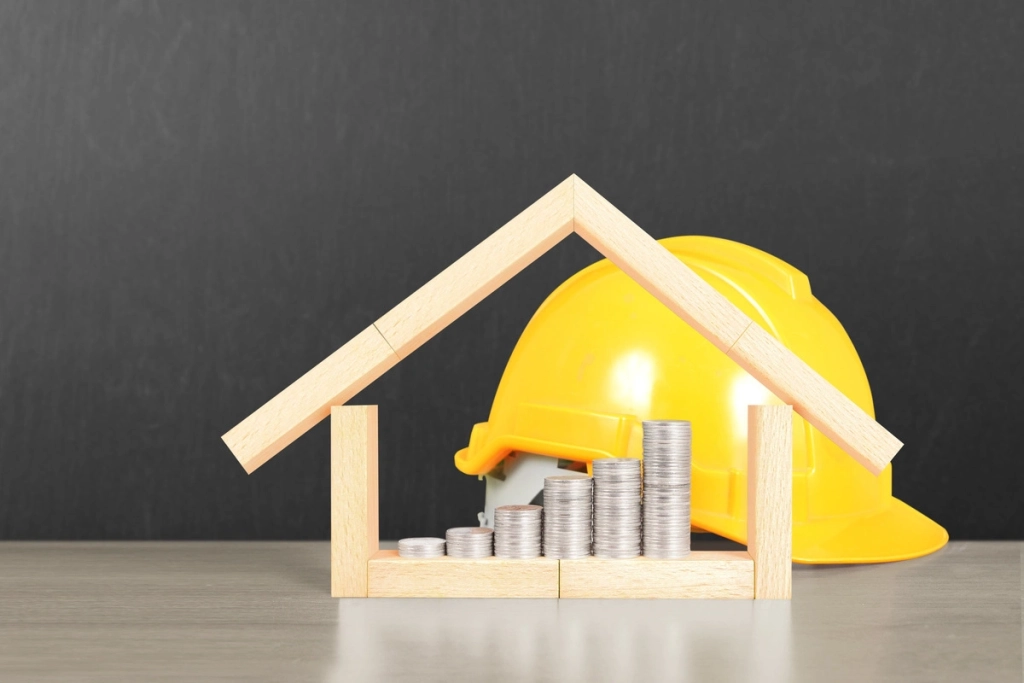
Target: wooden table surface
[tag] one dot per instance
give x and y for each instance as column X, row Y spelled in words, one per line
column 262, row 611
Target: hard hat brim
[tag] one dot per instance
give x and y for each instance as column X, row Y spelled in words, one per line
column 898, row 532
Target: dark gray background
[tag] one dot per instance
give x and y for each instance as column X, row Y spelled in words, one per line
column 201, row 200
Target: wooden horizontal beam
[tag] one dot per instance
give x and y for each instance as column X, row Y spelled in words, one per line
column 391, row 576
column 716, row 318
column 700, row 575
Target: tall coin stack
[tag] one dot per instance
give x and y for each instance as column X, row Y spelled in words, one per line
column 517, row 531
column 421, row 547
column 666, row 504
column 568, row 515
column 616, row 507
column 470, row 541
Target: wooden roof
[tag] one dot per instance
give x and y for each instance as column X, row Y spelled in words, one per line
column 572, row 206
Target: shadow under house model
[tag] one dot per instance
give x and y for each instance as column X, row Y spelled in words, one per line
column 360, row 569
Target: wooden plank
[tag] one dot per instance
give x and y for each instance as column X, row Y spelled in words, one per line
column 355, row 530
column 480, row 272
column 308, row 400
column 770, row 499
column 674, row 284
column 701, row 575
column 815, row 399
column 656, row 269
column 391, row 576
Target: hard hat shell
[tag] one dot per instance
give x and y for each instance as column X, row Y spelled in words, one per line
column 601, row 355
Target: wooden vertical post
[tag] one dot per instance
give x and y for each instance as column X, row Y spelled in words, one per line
column 770, row 499
column 355, row 531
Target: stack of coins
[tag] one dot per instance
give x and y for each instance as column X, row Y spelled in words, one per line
column 517, row 531
column 421, row 547
column 666, row 504
column 470, row 541
column 568, row 515
column 616, row 507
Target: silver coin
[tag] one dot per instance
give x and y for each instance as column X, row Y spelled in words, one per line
column 568, row 516
column 666, row 488
column 470, row 542
column 517, row 531
column 421, row 547
column 617, row 507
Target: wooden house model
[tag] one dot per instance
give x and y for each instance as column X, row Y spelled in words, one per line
column 360, row 569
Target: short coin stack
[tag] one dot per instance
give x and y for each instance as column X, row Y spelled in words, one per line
column 470, row 542
column 616, row 507
column 568, row 515
column 666, row 504
column 421, row 547
column 517, row 531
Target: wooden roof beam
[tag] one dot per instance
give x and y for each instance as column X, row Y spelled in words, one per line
column 703, row 307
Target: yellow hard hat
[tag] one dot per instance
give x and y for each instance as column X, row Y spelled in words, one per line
column 601, row 355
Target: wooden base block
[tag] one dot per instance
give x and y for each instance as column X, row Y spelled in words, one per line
column 702, row 575
column 391, row 576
